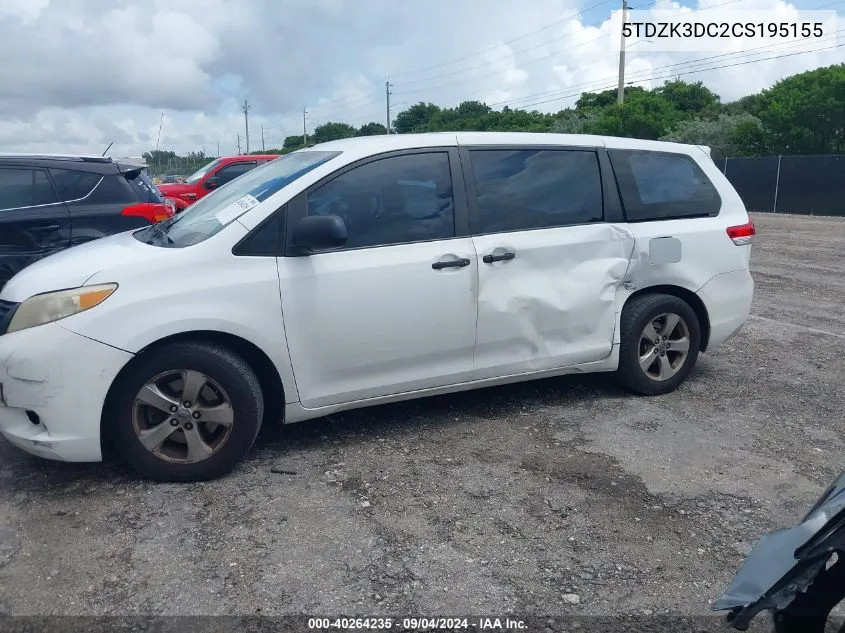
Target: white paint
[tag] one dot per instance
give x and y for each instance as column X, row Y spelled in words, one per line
column 353, row 328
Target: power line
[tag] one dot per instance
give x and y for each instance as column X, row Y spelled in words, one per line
column 553, row 54
column 519, row 52
column 366, row 101
column 646, row 73
column 677, row 74
column 490, row 48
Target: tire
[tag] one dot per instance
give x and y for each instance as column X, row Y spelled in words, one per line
column 636, row 316
column 225, row 415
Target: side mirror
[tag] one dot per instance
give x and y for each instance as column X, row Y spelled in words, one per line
column 318, row 232
column 212, row 183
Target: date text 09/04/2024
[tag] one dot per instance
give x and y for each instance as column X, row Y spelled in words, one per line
column 416, row 624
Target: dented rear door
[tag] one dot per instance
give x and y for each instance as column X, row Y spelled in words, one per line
column 552, row 252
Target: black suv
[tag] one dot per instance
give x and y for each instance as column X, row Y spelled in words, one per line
column 49, row 203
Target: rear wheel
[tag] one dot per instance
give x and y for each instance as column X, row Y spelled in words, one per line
column 660, row 341
column 186, row 412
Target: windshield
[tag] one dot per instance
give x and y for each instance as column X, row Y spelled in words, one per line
column 224, row 205
column 202, row 171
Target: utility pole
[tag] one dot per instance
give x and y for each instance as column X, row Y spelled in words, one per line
column 160, row 121
column 304, row 129
column 239, row 143
column 620, row 93
column 262, row 138
column 246, row 123
column 218, row 149
column 387, row 93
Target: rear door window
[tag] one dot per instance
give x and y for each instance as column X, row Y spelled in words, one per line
column 663, row 186
column 525, row 189
column 393, row 200
column 74, row 185
column 25, row 188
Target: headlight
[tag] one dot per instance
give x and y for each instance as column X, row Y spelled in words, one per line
column 53, row 306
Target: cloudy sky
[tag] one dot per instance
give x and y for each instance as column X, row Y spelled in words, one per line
column 76, row 75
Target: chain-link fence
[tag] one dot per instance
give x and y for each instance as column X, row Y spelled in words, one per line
column 810, row 185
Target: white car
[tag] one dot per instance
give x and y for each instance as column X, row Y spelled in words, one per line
column 372, row 270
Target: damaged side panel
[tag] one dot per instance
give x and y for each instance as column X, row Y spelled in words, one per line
column 554, row 303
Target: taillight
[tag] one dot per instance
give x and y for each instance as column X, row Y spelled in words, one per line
column 150, row 211
column 742, row 234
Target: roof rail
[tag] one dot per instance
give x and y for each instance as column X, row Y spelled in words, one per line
column 69, row 157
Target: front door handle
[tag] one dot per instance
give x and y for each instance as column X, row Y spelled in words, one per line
column 489, row 259
column 454, row 263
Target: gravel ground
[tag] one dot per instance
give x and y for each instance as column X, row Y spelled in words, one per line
column 557, row 497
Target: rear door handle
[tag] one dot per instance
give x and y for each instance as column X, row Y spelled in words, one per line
column 454, row 263
column 489, row 259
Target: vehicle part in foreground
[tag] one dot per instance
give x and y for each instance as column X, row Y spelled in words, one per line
column 798, row 574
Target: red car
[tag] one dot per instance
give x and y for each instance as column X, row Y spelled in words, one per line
column 216, row 174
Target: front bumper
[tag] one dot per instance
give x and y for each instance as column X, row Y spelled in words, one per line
column 53, row 384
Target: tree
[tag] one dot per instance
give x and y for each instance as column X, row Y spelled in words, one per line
column 415, row 119
column 371, row 129
column 805, row 113
column 333, row 131
column 605, row 99
column 645, row 115
column 689, row 99
column 293, row 142
column 729, row 135
column 575, row 122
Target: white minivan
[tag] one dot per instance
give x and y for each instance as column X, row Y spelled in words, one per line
column 372, row 270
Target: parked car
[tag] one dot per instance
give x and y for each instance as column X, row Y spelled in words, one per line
column 167, row 180
column 49, row 203
column 216, row 174
column 373, row 270
column 797, row 574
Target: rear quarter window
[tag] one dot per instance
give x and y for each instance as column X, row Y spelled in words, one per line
column 663, row 186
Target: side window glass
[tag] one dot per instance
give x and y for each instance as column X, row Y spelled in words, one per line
column 230, row 172
column 42, row 189
column 392, row 200
column 265, row 240
column 113, row 189
column 25, row 188
column 73, row 185
column 663, row 186
column 531, row 189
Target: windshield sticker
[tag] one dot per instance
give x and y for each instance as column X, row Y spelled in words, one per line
column 236, row 209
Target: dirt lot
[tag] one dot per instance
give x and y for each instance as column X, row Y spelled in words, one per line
column 506, row 500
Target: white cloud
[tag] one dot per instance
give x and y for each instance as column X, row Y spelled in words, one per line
column 88, row 72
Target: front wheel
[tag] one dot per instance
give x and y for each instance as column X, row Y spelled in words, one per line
column 186, row 412
column 660, row 340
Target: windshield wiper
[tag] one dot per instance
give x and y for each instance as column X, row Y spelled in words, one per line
column 160, row 229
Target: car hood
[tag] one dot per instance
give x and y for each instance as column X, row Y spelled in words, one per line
column 74, row 266
column 785, row 562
